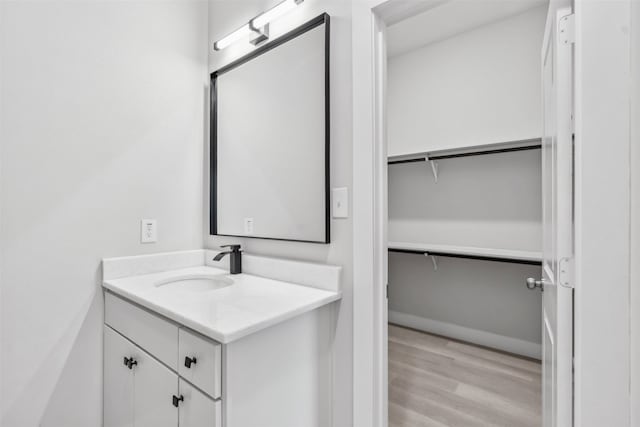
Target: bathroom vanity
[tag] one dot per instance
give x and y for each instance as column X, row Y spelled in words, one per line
column 188, row 344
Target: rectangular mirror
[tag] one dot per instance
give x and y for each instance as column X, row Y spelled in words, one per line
column 270, row 140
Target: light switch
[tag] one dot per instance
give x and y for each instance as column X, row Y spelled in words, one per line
column 340, row 204
column 148, row 231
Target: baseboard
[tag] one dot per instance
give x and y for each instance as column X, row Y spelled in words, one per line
column 475, row 336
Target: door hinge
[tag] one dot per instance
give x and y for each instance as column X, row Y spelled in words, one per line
column 565, row 276
column 567, row 29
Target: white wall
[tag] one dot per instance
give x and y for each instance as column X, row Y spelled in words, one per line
column 103, row 106
column 479, row 87
column 224, row 17
column 602, row 206
column 635, row 214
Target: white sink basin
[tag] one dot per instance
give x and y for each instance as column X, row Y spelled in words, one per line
column 195, row 283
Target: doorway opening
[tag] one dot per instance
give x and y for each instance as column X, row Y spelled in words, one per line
column 464, row 132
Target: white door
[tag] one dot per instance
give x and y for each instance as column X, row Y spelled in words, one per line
column 557, row 193
column 381, row 405
column 118, row 380
column 197, row 409
column 155, row 387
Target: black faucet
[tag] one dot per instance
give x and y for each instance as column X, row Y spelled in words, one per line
column 235, row 258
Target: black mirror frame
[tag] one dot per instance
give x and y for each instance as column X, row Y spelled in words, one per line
column 213, row 151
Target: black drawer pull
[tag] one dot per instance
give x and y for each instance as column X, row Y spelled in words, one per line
column 177, row 400
column 130, row 362
column 188, row 361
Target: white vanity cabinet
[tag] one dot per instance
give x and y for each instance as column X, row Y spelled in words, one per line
column 158, row 373
column 138, row 389
column 257, row 352
column 142, row 389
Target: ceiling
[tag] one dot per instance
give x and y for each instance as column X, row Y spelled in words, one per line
column 415, row 23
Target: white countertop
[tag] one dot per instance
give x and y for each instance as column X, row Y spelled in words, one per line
column 250, row 304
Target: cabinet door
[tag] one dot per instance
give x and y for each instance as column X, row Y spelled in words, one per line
column 197, row 409
column 154, row 388
column 118, row 380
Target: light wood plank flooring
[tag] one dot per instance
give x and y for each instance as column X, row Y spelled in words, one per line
column 434, row 381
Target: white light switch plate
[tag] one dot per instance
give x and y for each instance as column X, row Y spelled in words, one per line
column 340, row 202
column 148, row 231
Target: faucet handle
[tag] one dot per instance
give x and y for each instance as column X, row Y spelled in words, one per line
column 235, row 258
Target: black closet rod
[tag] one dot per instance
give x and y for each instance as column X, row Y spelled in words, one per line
column 476, row 257
column 471, row 153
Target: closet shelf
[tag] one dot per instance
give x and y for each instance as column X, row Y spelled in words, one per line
column 472, row 150
column 487, row 254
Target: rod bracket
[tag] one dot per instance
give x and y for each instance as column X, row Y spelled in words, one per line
column 434, row 167
column 434, row 260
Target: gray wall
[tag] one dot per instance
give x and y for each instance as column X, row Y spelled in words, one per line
column 486, row 201
column 481, row 295
column 224, row 17
column 102, row 110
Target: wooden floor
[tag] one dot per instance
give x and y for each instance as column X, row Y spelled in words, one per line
column 434, row 381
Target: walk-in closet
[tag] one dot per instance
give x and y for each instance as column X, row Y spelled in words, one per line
column 464, row 127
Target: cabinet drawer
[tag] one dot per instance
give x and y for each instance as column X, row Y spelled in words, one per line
column 198, row 410
column 200, row 362
column 153, row 333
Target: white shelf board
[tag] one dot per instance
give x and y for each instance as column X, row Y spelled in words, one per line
column 507, row 254
column 449, row 151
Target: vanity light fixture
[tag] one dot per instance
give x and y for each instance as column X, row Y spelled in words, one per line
column 257, row 27
column 233, row 37
column 274, row 13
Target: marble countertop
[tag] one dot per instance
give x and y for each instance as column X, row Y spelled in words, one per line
column 248, row 305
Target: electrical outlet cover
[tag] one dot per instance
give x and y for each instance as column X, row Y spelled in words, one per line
column 148, row 231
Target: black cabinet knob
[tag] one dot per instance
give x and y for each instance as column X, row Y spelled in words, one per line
column 188, row 361
column 132, row 363
column 177, row 400
column 126, row 361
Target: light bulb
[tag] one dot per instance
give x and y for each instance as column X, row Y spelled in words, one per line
column 227, row 40
column 274, row 13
